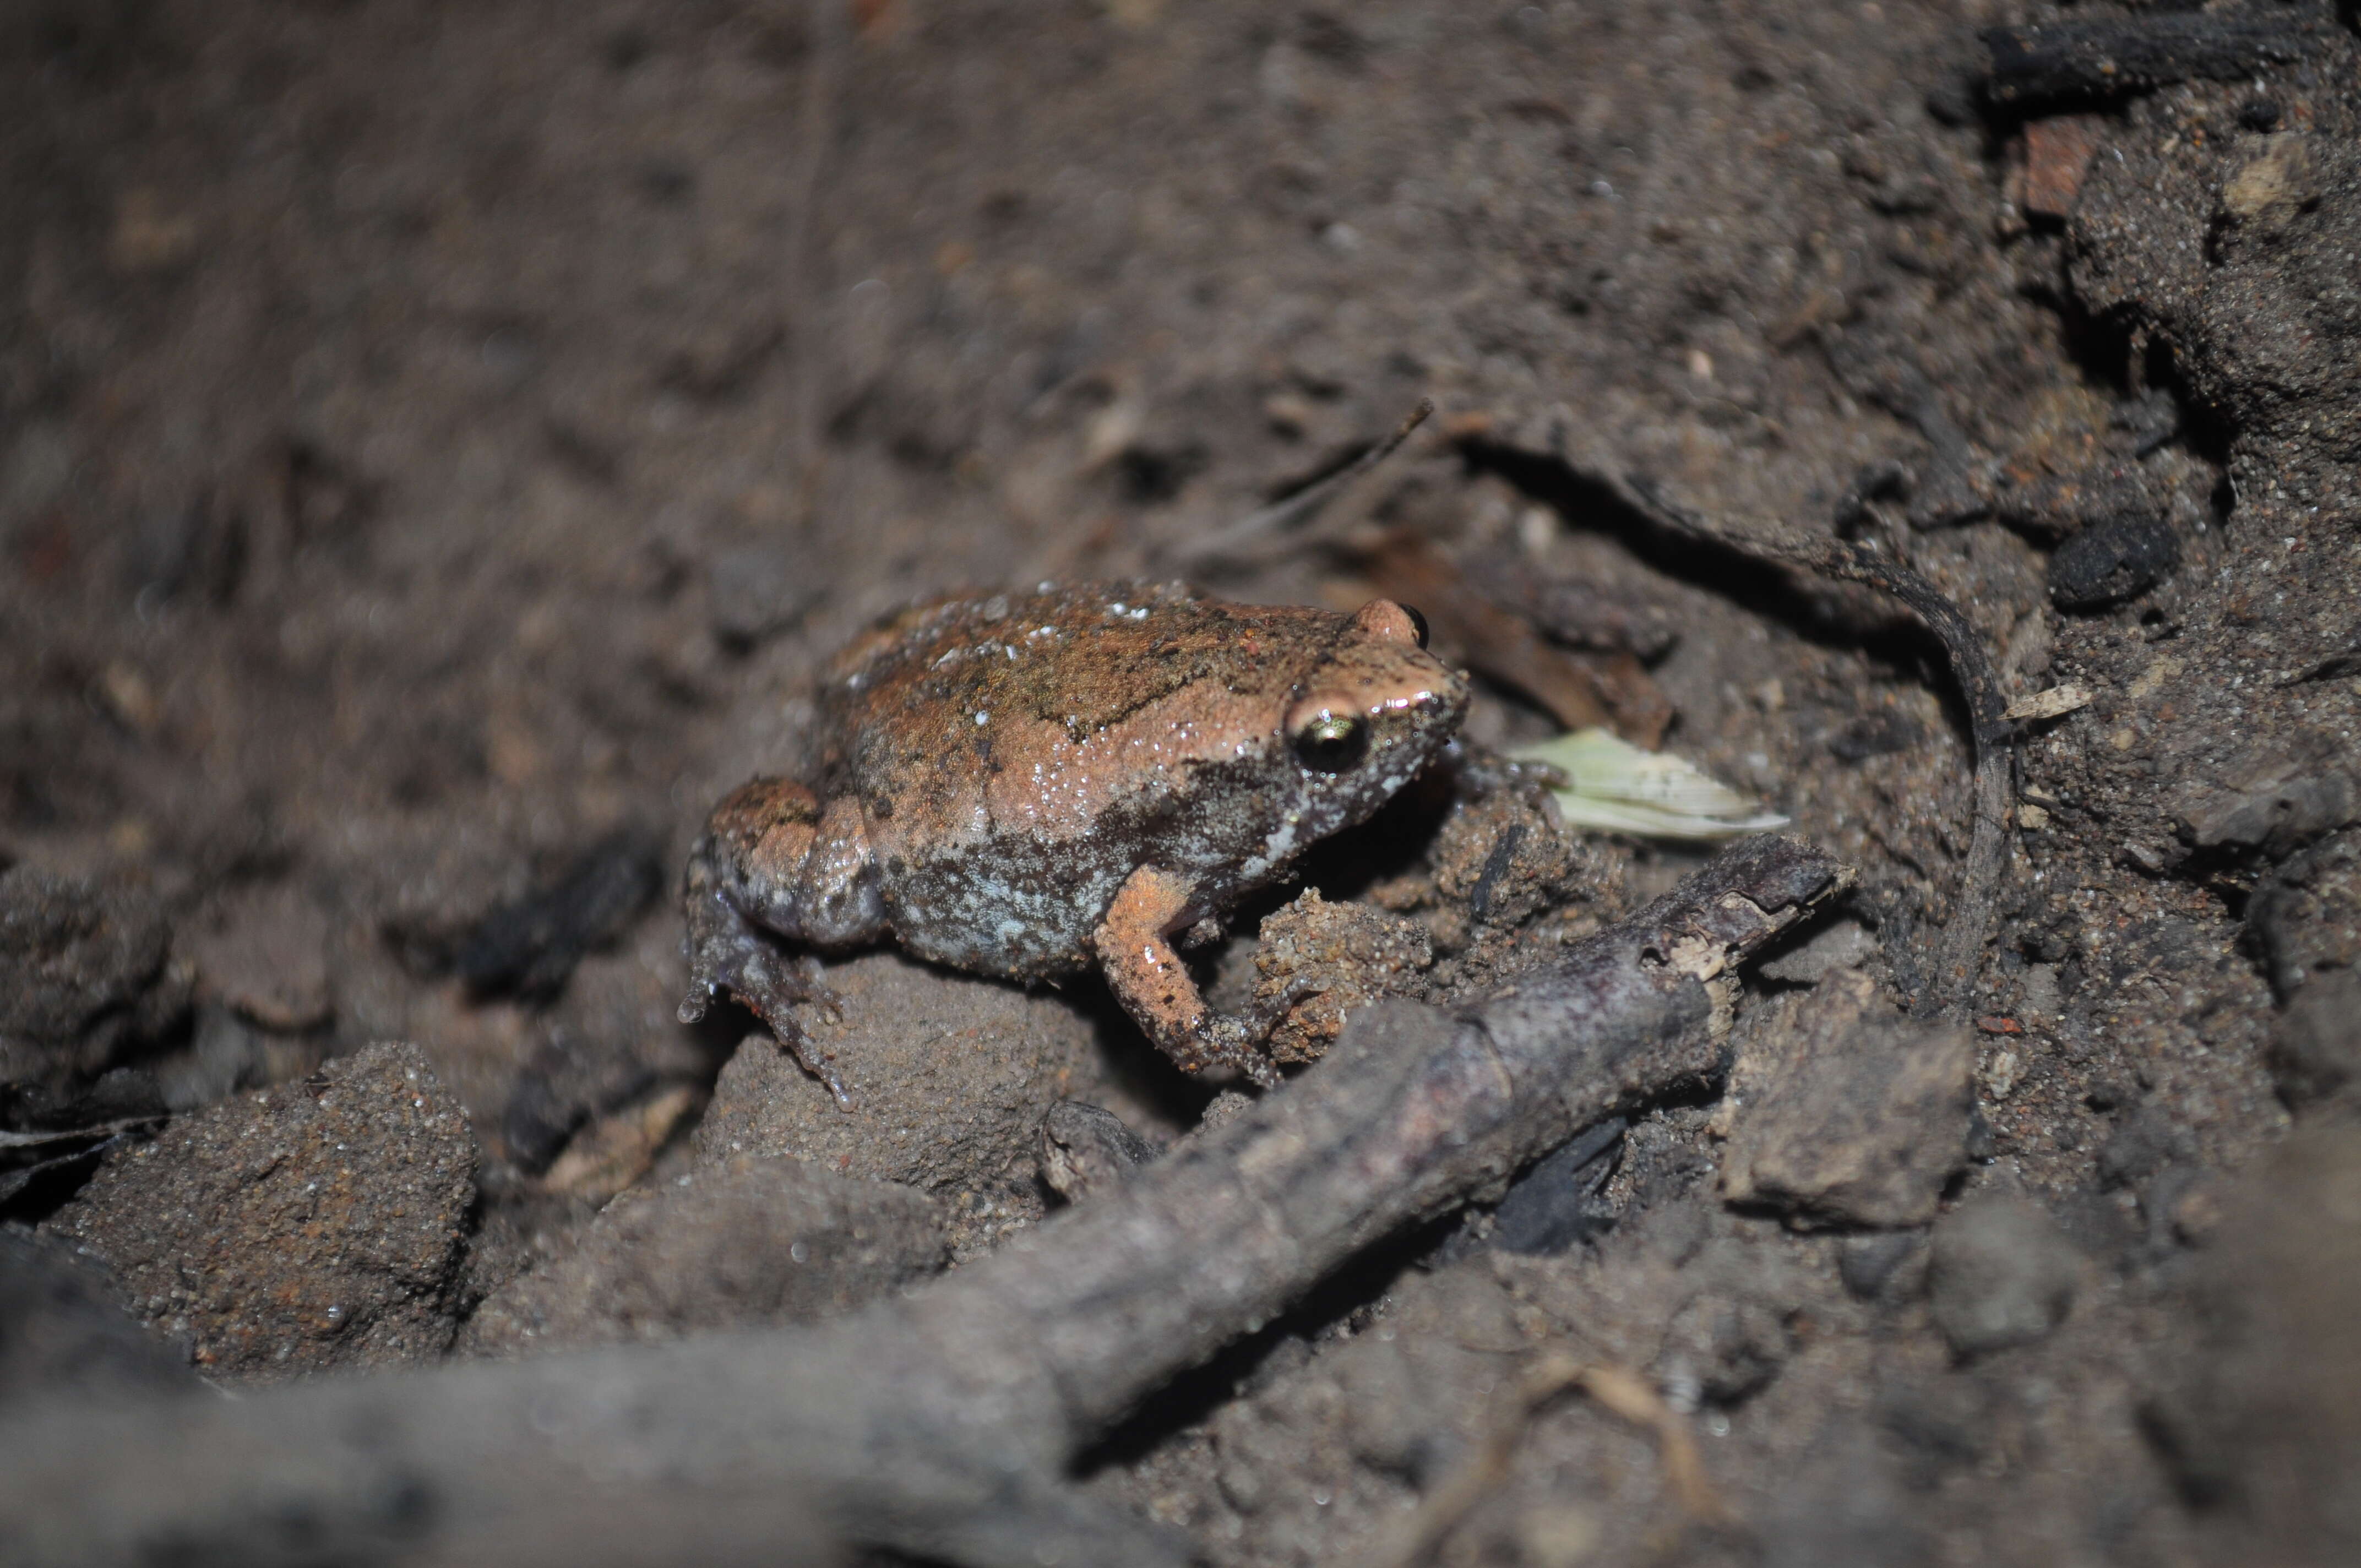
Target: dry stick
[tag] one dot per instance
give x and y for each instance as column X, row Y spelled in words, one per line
column 1239, row 540
column 1617, row 1390
column 2102, row 60
column 1959, row 953
column 36, row 1140
column 940, row 1423
column 1635, row 1400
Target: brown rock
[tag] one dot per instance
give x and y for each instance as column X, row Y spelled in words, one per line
column 2307, row 918
column 2058, row 152
column 318, row 1225
column 62, row 1330
column 1845, row 1112
column 2316, row 1042
column 1087, row 1149
column 1833, row 945
column 1505, row 856
column 2281, row 791
column 2001, row 1273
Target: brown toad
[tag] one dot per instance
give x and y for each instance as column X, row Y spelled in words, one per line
column 1029, row 785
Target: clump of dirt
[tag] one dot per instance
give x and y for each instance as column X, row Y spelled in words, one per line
column 65, row 1328
column 744, row 1244
column 1337, row 958
column 948, row 1076
column 1845, row 1112
column 2258, row 1424
column 85, row 978
column 318, row 1224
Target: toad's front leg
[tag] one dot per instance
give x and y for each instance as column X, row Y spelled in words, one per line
column 1135, row 948
column 772, row 860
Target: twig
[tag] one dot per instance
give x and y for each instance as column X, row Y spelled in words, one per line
column 2068, row 62
column 1959, row 950
column 1235, row 541
column 18, row 1179
column 1402, row 566
column 939, row 1424
column 43, row 1139
column 1550, row 1374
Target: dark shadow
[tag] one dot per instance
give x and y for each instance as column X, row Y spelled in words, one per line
column 1132, row 1064
column 1192, row 1399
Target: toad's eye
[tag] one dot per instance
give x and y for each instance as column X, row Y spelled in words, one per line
column 1417, row 622
column 1333, row 743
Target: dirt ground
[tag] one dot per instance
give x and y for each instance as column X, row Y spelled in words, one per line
column 440, row 445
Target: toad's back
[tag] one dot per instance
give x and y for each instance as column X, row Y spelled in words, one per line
column 1017, row 757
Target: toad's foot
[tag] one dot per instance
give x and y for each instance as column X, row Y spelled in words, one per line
column 1238, row 1040
column 1135, row 949
column 1087, row 1148
column 726, row 953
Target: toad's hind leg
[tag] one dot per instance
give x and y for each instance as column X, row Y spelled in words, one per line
column 771, row 861
column 1135, row 949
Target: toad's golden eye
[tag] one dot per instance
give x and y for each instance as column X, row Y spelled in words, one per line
column 1333, row 743
column 1417, row 622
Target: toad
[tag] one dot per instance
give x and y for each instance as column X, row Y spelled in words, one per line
column 1031, row 785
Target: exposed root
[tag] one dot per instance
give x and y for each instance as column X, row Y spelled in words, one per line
column 1549, row 1375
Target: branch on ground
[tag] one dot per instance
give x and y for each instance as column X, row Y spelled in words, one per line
column 939, row 1424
